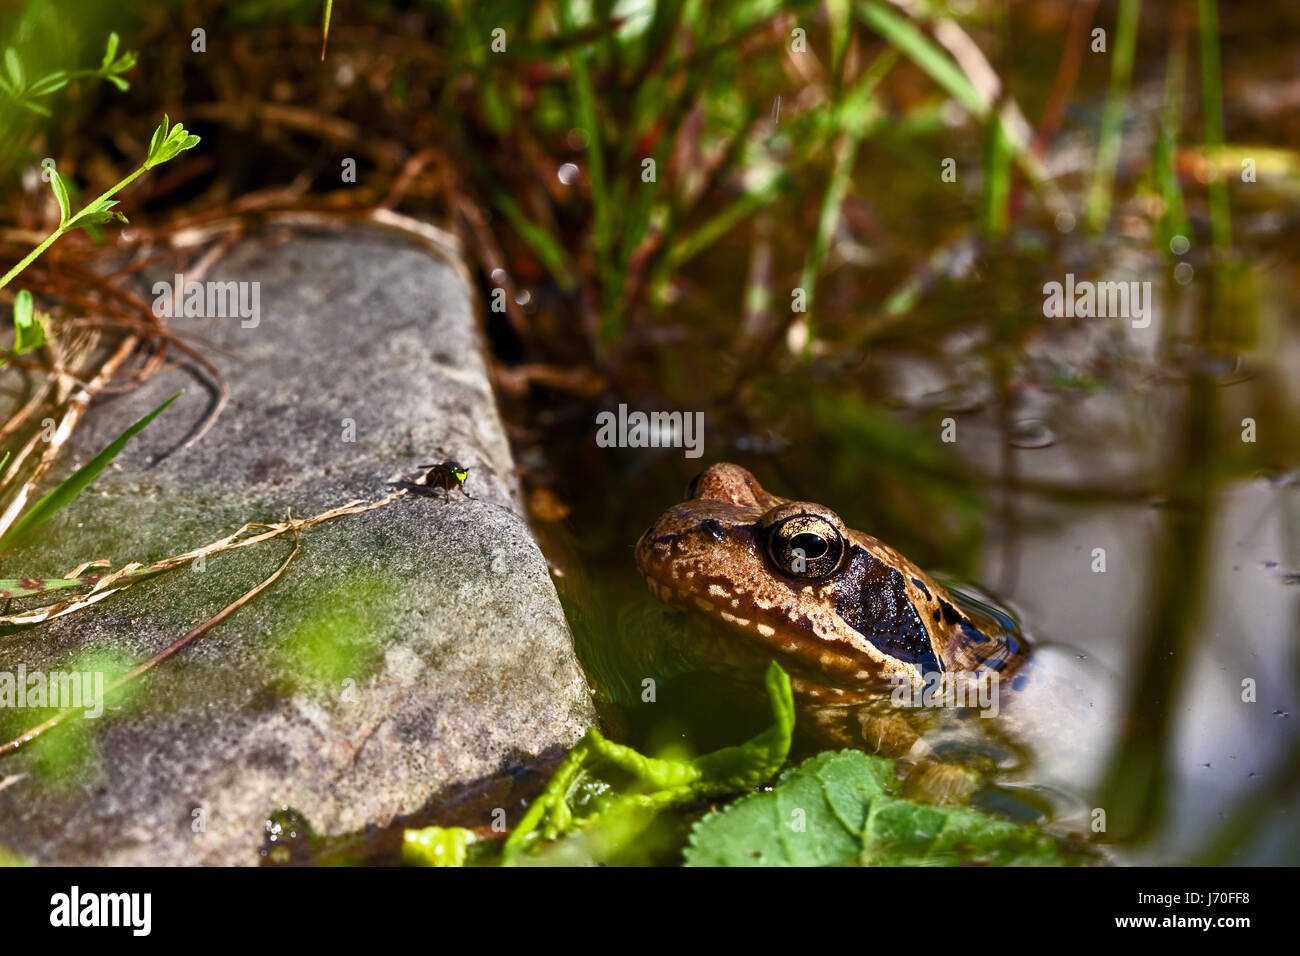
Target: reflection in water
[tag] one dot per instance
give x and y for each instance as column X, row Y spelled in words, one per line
column 1148, row 548
column 1126, row 483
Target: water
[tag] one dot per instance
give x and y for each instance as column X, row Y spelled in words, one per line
column 1126, row 483
column 1131, row 491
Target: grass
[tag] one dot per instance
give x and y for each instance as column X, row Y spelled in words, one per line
column 1212, row 113
column 1174, row 218
column 1112, row 120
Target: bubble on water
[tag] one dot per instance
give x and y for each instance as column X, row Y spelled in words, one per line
column 1179, row 245
column 1183, row 273
column 1065, row 221
column 568, row 173
column 1031, row 433
column 523, row 297
column 499, row 276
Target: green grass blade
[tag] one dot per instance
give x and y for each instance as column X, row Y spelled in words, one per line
column 906, row 37
column 584, row 97
column 325, row 27
column 72, row 486
column 1212, row 109
column 546, row 247
column 1112, row 119
column 856, row 117
column 995, row 199
column 1174, row 221
column 688, row 247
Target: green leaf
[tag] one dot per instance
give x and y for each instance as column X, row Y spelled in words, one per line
column 30, row 586
column 15, row 68
column 159, row 137
column 61, row 194
column 97, row 212
column 436, row 846
column 167, row 144
column 48, row 84
column 35, row 108
column 110, row 52
column 23, row 309
column 837, row 808
column 72, row 486
column 658, row 784
column 120, row 83
column 29, row 328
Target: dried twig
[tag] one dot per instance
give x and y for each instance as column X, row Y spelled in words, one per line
column 131, row 573
column 146, row 666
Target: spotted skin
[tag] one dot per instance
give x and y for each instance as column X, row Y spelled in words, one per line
column 845, row 637
column 878, row 617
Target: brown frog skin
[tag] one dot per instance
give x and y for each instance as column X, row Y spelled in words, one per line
column 850, row 619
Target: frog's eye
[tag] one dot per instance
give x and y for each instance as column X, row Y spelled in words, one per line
column 805, row 546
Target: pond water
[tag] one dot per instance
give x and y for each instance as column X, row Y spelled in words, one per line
column 1127, row 483
column 1098, row 482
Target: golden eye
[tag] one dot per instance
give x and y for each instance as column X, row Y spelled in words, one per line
column 805, row 546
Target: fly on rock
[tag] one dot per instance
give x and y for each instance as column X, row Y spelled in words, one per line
column 448, row 475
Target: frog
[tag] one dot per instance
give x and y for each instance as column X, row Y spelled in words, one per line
column 865, row 634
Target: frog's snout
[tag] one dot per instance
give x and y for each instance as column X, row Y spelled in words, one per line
column 731, row 483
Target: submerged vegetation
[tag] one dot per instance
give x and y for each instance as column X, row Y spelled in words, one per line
column 845, row 799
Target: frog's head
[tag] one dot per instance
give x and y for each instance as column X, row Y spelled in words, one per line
column 790, row 576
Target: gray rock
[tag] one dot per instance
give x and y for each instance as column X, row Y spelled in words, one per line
column 405, row 651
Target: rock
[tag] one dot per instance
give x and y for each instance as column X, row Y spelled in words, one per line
column 405, row 651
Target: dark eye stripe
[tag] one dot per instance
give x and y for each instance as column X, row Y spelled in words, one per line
column 873, row 600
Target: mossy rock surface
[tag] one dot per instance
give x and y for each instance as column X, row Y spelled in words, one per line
column 406, row 651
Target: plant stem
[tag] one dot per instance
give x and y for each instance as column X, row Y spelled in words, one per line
column 64, row 227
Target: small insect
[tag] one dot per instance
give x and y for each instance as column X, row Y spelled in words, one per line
column 447, row 475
